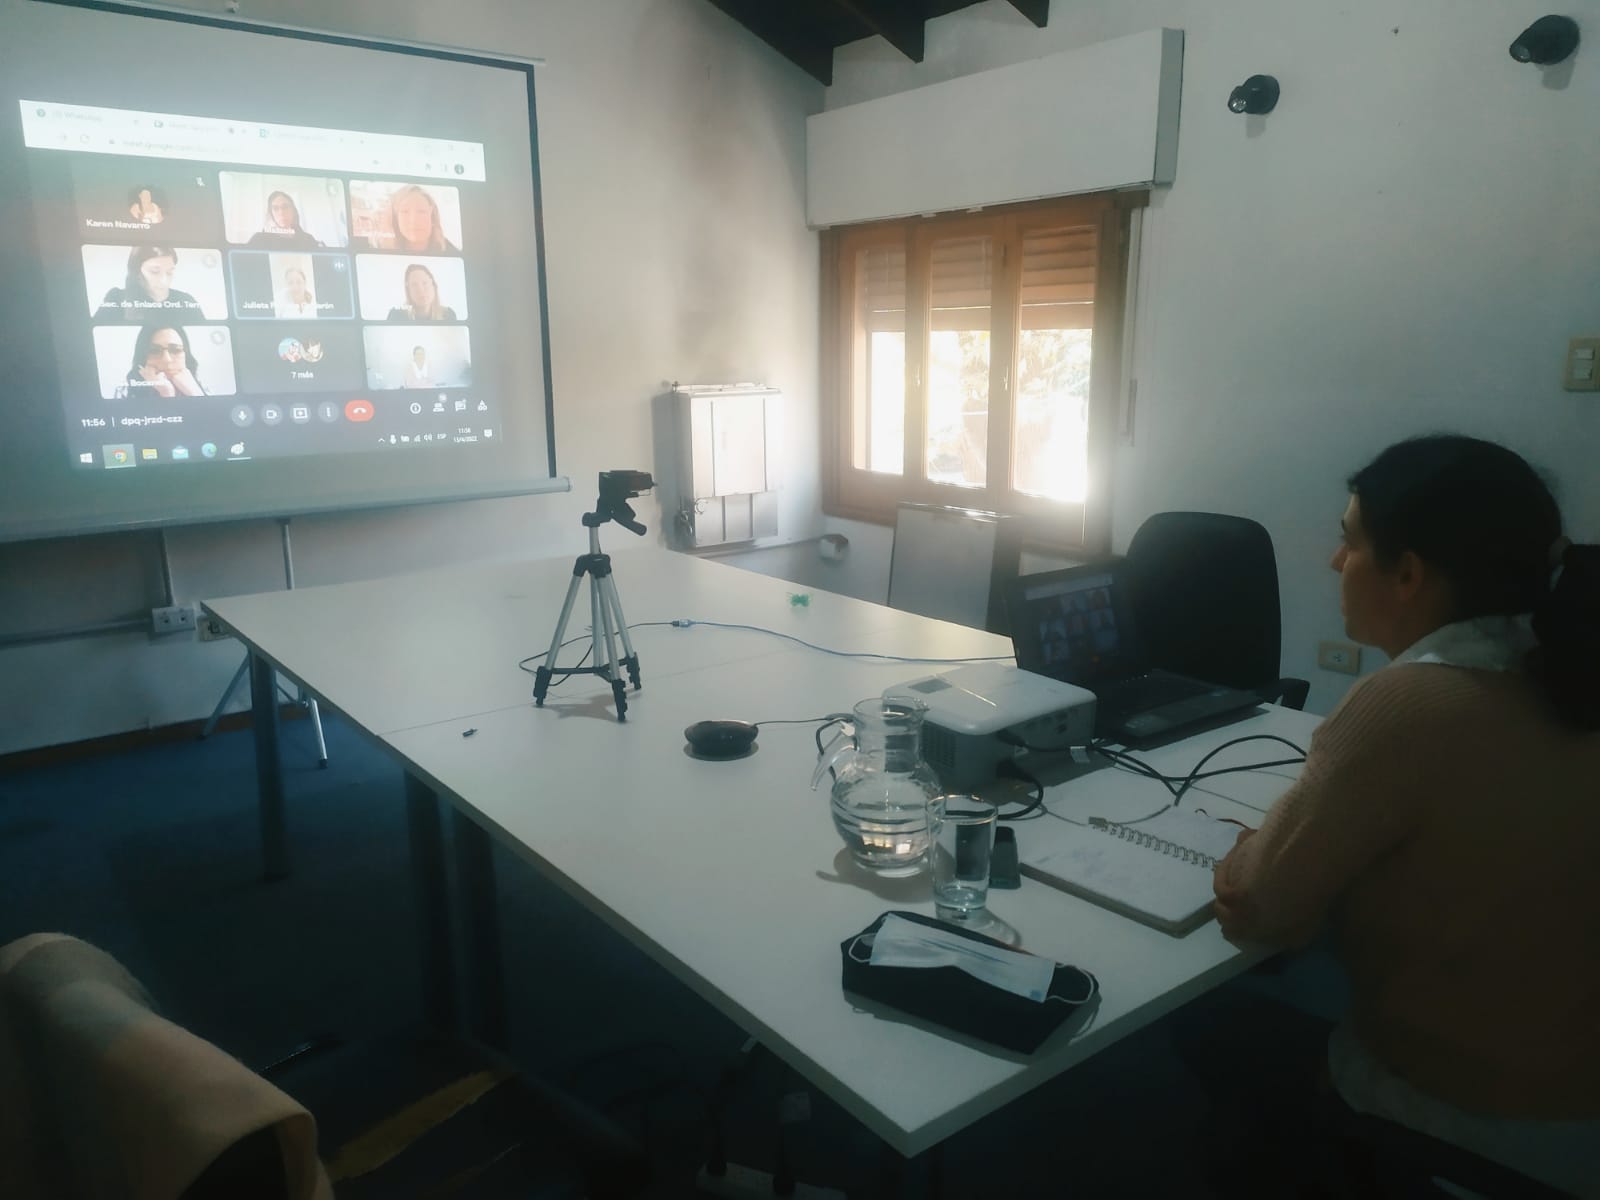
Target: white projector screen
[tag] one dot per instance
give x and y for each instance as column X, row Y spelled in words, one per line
column 256, row 273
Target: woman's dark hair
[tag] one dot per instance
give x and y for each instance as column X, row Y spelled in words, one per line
column 141, row 346
column 140, row 255
column 272, row 222
column 1481, row 516
column 156, row 198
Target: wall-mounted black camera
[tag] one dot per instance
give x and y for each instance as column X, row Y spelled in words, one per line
column 1256, row 95
column 1548, row 40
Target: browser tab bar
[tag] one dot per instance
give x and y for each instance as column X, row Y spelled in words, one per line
column 85, row 129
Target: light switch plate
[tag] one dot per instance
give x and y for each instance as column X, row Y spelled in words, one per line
column 1582, row 372
column 1339, row 656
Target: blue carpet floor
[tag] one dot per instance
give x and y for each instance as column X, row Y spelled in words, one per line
column 153, row 855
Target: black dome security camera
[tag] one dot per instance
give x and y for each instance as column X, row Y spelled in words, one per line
column 1258, row 94
column 1548, row 40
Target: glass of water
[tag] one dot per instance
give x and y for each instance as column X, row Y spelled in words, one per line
column 963, row 840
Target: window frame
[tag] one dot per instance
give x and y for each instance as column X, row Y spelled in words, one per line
column 860, row 494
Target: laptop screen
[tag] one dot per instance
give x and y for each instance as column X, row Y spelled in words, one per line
column 1070, row 626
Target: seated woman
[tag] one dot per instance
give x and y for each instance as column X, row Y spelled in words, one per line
column 295, row 298
column 147, row 292
column 281, row 230
column 1446, row 821
column 418, row 374
column 163, row 364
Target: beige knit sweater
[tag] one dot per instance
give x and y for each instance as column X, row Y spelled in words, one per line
column 1449, row 827
column 101, row 1099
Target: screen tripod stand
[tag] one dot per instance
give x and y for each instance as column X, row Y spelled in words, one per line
column 607, row 625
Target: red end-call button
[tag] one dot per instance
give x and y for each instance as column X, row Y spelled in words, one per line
column 358, row 410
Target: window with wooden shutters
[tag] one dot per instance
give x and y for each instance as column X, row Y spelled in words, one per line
column 972, row 359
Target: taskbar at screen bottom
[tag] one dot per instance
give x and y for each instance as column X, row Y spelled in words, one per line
column 294, row 428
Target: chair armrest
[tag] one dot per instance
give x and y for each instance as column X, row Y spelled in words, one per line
column 1288, row 691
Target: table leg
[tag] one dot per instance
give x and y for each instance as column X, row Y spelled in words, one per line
column 432, row 891
column 486, row 988
column 269, row 769
column 899, row 1177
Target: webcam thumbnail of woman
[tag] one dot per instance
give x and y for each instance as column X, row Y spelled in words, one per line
column 406, row 218
column 283, row 212
column 146, row 290
column 164, row 359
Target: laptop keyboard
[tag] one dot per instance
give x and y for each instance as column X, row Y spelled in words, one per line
column 1150, row 706
column 1153, row 691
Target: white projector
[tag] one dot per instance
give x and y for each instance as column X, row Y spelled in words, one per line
column 979, row 716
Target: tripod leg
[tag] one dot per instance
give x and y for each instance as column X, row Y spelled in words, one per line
column 609, row 624
column 605, row 635
column 613, row 625
column 631, row 661
column 541, row 677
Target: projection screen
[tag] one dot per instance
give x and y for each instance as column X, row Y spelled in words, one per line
column 252, row 273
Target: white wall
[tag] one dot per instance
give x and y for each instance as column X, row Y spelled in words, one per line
column 1404, row 246
column 672, row 152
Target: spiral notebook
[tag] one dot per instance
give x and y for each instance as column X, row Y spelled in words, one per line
column 1157, row 870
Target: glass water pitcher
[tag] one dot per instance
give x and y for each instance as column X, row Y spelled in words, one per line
column 881, row 786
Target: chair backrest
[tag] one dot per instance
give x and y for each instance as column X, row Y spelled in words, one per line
column 954, row 564
column 121, row 1102
column 1204, row 592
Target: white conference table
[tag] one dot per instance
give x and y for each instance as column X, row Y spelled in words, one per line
column 730, row 874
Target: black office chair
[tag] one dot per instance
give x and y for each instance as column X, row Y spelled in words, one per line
column 1204, row 592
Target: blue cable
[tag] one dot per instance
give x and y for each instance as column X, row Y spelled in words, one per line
column 686, row 622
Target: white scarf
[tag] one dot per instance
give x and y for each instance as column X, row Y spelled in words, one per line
column 1481, row 643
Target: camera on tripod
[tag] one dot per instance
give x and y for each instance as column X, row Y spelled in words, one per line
column 616, row 489
column 625, row 485
column 607, row 625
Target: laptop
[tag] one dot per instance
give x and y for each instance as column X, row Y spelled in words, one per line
column 1075, row 625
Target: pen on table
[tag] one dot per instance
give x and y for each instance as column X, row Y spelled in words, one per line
column 469, row 732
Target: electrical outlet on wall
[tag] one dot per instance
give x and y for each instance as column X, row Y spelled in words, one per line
column 173, row 618
column 1339, row 656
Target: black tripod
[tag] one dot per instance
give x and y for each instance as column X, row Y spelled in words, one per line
column 606, row 622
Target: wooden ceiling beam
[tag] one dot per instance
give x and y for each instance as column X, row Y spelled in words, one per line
column 1037, row 11
column 775, row 25
column 902, row 25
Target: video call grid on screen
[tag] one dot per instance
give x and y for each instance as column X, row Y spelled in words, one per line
column 202, row 276
column 1076, row 626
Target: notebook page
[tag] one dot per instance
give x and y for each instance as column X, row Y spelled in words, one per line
column 1162, row 887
